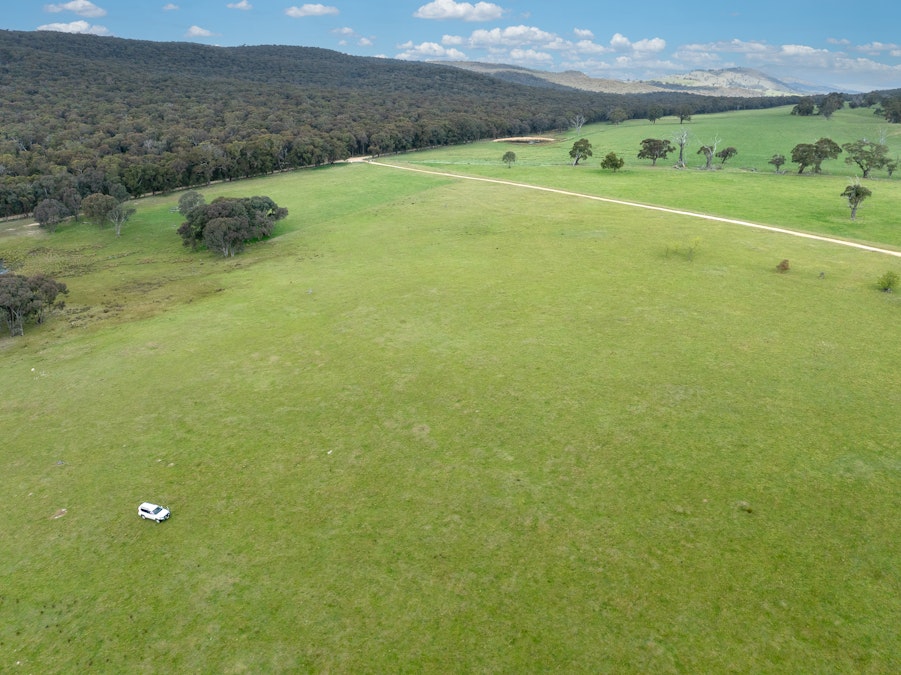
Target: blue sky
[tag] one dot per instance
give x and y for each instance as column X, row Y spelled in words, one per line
column 825, row 42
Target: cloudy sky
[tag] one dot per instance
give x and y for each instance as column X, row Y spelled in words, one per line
column 834, row 43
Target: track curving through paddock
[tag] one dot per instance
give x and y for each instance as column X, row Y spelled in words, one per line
column 648, row 207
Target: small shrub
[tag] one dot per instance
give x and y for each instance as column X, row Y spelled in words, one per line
column 686, row 249
column 887, row 282
column 783, row 267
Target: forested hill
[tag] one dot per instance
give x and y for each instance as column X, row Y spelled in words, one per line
column 94, row 114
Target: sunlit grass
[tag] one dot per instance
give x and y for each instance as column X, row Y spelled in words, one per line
column 437, row 425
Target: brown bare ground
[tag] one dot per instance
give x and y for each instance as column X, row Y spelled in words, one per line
column 526, row 139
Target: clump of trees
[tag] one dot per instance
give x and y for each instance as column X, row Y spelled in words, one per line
column 814, row 154
column 227, row 224
column 24, row 299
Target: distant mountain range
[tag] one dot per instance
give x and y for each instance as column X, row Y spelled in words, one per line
column 731, row 82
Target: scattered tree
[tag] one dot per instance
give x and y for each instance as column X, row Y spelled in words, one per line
column 777, row 161
column 509, row 158
column 225, row 225
column 581, row 150
column 188, row 201
column 890, row 167
column 654, row 149
column 855, row 194
column 612, row 161
column 97, row 207
column 867, row 155
column 826, row 148
column 726, row 154
column 50, row 213
column 684, row 114
column 119, row 215
column 655, row 112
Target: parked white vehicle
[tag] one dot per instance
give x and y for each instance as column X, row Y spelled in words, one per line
column 153, row 512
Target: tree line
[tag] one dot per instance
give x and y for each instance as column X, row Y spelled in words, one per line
column 84, row 114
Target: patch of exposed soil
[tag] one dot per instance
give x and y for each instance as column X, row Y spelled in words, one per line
column 530, row 140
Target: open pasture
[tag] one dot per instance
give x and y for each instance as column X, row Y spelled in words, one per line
column 436, row 426
column 747, row 187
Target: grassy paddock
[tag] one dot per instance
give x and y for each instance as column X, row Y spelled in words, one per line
column 746, row 188
column 436, row 425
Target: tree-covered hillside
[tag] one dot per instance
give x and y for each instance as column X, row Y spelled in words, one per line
column 84, row 114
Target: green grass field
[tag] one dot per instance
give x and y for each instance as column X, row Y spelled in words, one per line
column 444, row 426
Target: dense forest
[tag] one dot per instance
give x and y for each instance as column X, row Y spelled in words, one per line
column 84, row 114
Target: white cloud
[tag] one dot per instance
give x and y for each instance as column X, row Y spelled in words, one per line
column 531, row 56
column 240, row 5
column 365, row 42
column 171, row 7
column 311, row 10
column 875, row 48
column 198, row 32
column 512, row 36
column 75, row 27
column 583, row 34
column 463, row 11
column 80, row 7
column 430, row 51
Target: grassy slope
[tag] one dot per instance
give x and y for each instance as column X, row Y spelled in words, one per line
column 747, row 189
column 437, row 425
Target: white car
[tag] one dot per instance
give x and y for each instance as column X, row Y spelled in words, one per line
column 153, row 512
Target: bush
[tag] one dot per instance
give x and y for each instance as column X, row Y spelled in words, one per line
column 685, row 249
column 783, row 267
column 887, row 282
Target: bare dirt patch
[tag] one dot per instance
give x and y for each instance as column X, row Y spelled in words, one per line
column 529, row 140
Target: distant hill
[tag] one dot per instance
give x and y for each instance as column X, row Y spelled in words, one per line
column 731, row 82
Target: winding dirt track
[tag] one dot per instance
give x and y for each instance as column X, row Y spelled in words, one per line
column 648, row 207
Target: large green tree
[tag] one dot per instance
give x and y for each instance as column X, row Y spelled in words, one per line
column 97, row 207
column 612, row 161
column 867, row 155
column 50, row 213
column 581, row 150
column 654, row 149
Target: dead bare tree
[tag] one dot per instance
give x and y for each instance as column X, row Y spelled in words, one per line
column 709, row 152
column 680, row 138
column 578, row 122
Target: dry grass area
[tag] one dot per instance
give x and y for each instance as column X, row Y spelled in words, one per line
column 531, row 140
